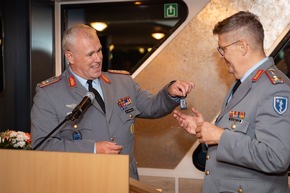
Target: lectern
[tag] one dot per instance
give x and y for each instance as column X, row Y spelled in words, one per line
column 30, row 171
column 63, row 172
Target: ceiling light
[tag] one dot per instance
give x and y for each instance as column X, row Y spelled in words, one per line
column 99, row 26
column 141, row 50
column 112, row 46
column 158, row 36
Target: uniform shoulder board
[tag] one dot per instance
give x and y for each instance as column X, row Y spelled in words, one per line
column 273, row 77
column 119, row 72
column 48, row 81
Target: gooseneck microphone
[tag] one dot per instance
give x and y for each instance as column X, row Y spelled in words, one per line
column 84, row 104
column 77, row 111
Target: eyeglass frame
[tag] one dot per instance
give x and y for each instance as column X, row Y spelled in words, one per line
column 222, row 51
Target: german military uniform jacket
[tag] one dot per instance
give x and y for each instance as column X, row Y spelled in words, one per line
column 124, row 101
column 253, row 153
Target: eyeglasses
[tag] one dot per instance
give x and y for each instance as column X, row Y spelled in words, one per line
column 221, row 50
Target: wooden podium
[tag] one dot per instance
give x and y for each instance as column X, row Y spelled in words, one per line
column 64, row 172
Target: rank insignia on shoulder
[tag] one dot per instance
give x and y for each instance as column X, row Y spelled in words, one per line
column 119, row 72
column 273, row 77
column 48, row 81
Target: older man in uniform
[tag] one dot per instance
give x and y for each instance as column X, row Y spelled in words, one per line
column 108, row 125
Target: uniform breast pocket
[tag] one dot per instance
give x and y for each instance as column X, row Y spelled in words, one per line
column 77, row 134
column 129, row 114
column 238, row 126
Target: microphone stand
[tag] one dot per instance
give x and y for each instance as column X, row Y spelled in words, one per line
column 68, row 117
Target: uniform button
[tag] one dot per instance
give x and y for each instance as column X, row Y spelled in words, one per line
column 207, row 157
column 206, row 172
column 234, row 126
column 240, row 190
column 131, row 116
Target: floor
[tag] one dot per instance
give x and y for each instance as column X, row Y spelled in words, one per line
column 167, row 185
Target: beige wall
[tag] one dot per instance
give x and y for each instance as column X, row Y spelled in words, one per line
column 192, row 56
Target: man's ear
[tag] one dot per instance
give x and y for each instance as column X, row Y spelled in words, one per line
column 243, row 46
column 69, row 56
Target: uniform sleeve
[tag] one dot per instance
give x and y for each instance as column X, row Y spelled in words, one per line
column 154, row 106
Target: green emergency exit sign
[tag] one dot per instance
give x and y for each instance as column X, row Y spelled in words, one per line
column 170, row 10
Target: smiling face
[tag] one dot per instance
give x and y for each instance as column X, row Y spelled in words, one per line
column 240, row 41
column 85, row 55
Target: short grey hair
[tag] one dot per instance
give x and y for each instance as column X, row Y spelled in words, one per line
column 71, row 34
column 245, row 23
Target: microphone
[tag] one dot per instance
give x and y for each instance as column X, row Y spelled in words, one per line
column 84, row 104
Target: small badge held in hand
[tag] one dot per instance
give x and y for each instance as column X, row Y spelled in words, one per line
column 183, row 103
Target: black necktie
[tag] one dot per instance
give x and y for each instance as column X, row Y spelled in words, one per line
column 97, row 95
column 236, row 87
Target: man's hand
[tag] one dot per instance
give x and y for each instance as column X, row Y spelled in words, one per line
column 187, row 122
column 180, row 88
column 208, row 133
column 108, row 147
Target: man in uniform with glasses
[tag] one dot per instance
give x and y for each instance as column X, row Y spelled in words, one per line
column 248, row 147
